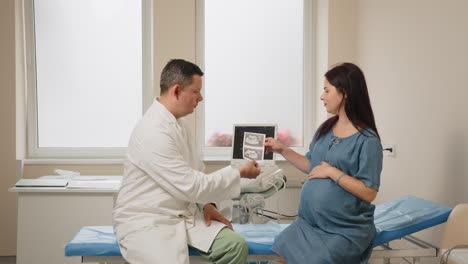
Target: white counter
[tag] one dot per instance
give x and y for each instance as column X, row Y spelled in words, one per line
column 49, row 217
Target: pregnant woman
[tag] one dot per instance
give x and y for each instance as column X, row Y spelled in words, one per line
column 344, row 162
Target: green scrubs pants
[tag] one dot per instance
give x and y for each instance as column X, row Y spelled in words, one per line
column 228, row 248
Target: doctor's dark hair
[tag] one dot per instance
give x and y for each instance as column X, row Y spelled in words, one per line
column 178, row 71
column 349, row 79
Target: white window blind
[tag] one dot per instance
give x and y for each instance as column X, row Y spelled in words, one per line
column 254, row 63
column 88, row 74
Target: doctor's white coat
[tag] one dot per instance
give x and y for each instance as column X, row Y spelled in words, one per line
column 156, row 212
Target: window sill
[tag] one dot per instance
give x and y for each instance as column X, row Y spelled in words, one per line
column 73, row 161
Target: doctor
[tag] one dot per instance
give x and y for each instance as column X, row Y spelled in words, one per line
column 166, row 202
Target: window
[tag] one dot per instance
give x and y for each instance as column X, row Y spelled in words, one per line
column 88, row 72
column 257, row 63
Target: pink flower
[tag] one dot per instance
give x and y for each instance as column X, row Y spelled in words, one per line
column 285, row 138
column 220, row 140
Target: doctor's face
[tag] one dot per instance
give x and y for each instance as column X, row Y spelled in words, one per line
column 332, row 98
column 191, row 95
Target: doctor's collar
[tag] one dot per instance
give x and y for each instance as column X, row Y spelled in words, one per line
column 166, row 113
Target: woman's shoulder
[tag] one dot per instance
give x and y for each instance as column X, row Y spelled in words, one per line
column 369, row 134
column 369, row 139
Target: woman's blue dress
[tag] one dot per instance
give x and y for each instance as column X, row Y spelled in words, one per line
column 334, row 226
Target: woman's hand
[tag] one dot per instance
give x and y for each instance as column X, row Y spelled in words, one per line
column 350, row 184
column 323, row 170
column 297, row 160
column 272, row 145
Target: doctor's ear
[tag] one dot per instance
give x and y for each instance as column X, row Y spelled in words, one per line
column 176, row 90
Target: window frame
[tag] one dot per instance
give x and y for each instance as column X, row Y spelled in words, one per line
column 309, row 78
column 36, row 152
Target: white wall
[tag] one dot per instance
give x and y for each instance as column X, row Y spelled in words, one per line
column 414, row 54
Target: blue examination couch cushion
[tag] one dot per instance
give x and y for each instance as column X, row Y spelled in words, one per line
column 93, row 241
column 394, row 219
column 101, row 241
column 406, row 215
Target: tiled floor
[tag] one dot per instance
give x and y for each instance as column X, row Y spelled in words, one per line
column 7, row 260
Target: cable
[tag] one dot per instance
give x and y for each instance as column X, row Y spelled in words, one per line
column 277, row 177
column 447, row 253
column 268, row 216
column 281, row 177
column 279, row 213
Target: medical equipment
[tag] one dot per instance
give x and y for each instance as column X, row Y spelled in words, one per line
column 267, row 179
column 394, row 220
column 239, row 130
column 248, row 206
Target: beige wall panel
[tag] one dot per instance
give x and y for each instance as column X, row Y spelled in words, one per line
column 174, row 38
column 342, row 46
column 20, row 84
column 414, row 56
column 174, row 33
column 7, row 133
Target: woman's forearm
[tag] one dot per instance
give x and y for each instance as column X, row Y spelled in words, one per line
column 355, row 186
column 299, row 161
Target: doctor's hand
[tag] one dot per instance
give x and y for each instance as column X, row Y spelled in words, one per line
column 273, row 145
column 211, row 213
column 323, row 170
column 250, row 170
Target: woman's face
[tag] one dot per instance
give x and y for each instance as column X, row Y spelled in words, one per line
column 332, row 99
